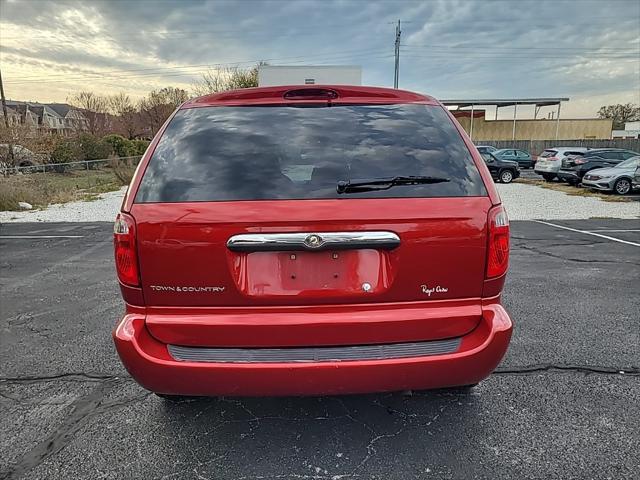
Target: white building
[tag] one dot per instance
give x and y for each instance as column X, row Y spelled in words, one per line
column 631, row 130
column 270, row 75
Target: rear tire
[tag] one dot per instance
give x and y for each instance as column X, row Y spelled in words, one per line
column 506, row 176
column 622, row 186
column 548, row 177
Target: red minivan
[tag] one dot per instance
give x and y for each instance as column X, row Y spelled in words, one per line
column 309, row 240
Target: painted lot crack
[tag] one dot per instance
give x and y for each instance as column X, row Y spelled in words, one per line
column 569, row 259
column 547, row 367
column 83, row 410
column 70, row 376
column 536, row 368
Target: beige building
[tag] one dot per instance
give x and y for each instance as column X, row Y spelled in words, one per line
column 480, row 128
column 539, row 129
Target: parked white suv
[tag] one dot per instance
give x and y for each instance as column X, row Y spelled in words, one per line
column 550, row 161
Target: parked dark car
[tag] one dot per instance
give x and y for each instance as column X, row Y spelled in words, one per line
column 504, row 171
column 522, row 157
column 574, row 167
column 486, row 148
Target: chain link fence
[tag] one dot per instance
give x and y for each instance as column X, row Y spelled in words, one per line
column 70, row 166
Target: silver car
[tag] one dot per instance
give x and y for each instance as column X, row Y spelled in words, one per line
column 550, row 161
column 616, row 179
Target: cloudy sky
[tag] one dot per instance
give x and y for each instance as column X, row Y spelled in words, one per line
column 588, row 50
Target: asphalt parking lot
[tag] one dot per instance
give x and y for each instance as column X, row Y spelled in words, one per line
column 563, row 403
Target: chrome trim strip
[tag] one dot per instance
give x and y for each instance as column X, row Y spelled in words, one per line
column 254, row 242
column 314, row 354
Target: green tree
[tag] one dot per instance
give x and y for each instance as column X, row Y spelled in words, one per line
column 620, row 114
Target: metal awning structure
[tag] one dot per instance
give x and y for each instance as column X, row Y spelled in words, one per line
column 508, row 102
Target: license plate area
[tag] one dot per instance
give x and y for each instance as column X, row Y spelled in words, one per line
column 325, row 273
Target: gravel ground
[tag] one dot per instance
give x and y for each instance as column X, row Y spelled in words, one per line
column 102, row 210
column 523, row 202
column 529, row 202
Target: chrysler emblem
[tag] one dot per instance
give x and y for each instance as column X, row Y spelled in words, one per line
column 313, row 241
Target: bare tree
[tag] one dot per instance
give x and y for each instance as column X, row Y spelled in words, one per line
column 159, row 104
column 620, row 114
column 228, row 78
column 94, row 107
column 126, row 112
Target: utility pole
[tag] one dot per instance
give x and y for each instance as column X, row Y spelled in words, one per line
column 396, row 74
column 6, row 122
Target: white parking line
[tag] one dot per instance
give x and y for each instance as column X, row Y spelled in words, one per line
column 29, row 237
column 613, row 239
column 608, row 230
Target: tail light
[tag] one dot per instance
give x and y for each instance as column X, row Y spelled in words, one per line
column 552, row 159
column 498, row 248
column 124, row 242
column 580, row 161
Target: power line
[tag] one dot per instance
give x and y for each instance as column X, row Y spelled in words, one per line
column 300, row 29
column 227, row 64
column 515, row 55
column 133, row 74
column 155, row 70
column 480, row 47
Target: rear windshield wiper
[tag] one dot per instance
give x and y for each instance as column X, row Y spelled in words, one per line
column 373, row 184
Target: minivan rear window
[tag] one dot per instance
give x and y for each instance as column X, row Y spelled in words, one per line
column 295, row 152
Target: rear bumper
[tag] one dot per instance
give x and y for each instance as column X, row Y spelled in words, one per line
column 152, row 366
column 546, row 168
column 604, row 185
column 569, row 176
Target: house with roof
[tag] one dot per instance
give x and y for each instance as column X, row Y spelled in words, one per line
column 27, row 117
column 38, row 116
column 12, row 115
column 73, row 119
column 48, row 119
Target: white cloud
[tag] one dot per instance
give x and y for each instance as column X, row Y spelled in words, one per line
column 452, row 48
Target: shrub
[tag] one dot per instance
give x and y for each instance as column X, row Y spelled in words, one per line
column 139, row 146
column 65, row 151
column 120, row 146
column 92, row 148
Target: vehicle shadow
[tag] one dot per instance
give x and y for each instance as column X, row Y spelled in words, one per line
column 378, row 435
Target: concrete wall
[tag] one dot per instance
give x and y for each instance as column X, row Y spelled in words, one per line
column 308, row 74
column 543, row 129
